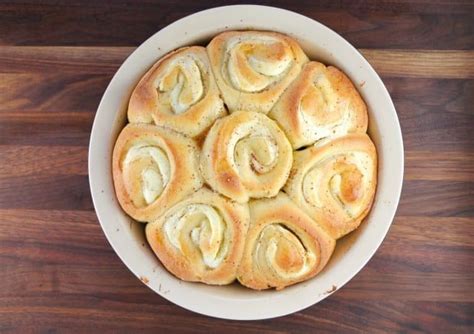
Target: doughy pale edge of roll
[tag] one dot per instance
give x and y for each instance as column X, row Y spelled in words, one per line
column 238, row 60
column 284, row 245
column 335, row 182
column 230, row 156
column 167, row 164
column 179, row 238
column 179, row 92
column 321, row 103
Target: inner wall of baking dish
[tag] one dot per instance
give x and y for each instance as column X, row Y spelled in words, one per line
column 157, row 276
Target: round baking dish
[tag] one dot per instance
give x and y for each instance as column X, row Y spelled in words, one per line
column 233, row 301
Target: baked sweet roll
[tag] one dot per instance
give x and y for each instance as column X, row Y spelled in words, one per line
column 153, row 168
column 201, row 238
column 246, row 155
column 284, row 245
column 335, row 182
column 253, row 68
column 260, row 194
column 179, row 92
column 321, row 103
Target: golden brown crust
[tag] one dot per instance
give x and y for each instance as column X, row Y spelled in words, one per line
column 321, row 103
column 277, row 239
column 246, row 155
column 179, row 92
column 253, row 68
column 153, row 168
column 283, row 247
column 201, row 239
column 335, row 182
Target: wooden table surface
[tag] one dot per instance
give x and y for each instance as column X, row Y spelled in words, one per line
column 59, row 274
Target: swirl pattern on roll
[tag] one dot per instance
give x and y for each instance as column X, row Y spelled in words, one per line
column 321, row 103
column 201, row 238
column 179, row 92
column 153, row 168
column 246, row 155
column 335, row 182
column 284, row 246
column 253, row 68
column 246, row 160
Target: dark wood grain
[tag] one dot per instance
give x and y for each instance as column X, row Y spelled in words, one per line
column 433, row 113
column 370, row 24
column 58, row 272
column 52, row 91
column 448, row 166
column 73, row 80
column 23, row 127
column 422, row 63
column 47, row 160
column 28, row 192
